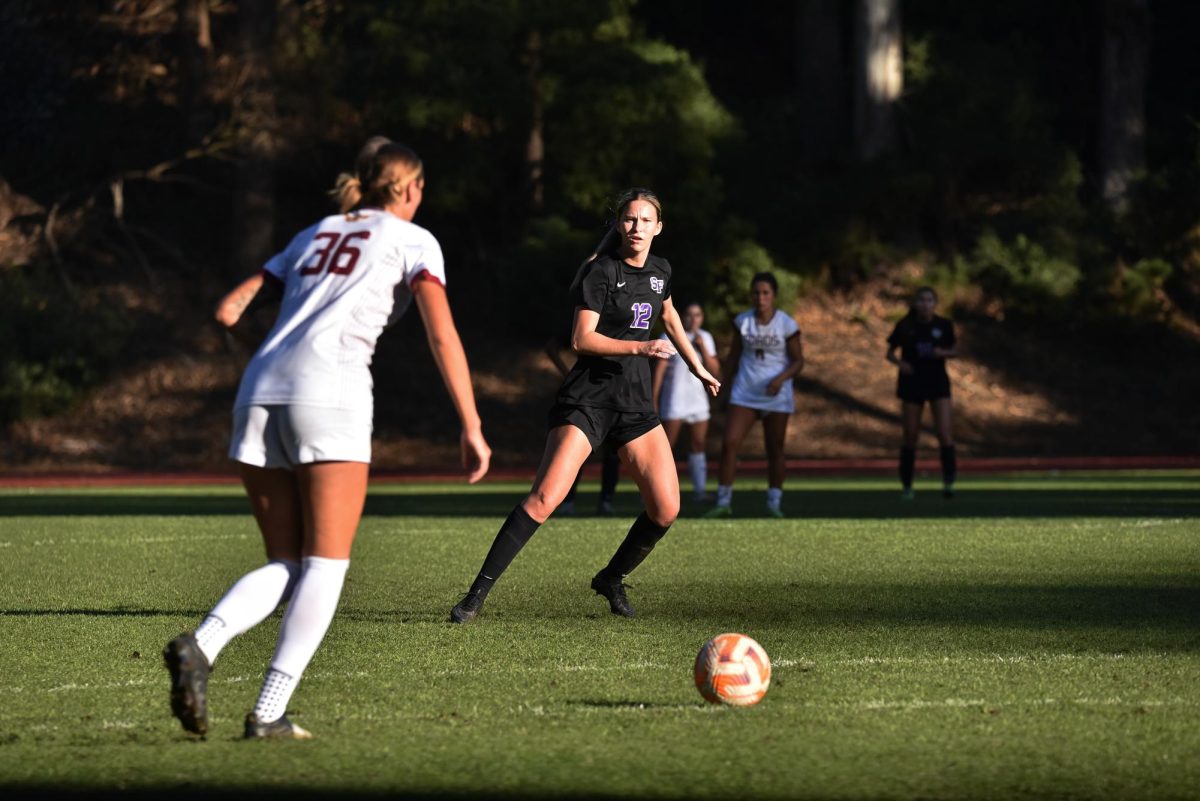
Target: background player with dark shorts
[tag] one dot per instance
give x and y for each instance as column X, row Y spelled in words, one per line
column 925, row 341
column 618, row 295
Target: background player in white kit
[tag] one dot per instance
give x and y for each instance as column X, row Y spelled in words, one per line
column 681, row 398
column 303, row 418
column 767, row 355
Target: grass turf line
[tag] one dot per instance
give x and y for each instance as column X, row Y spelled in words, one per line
column 934, row 649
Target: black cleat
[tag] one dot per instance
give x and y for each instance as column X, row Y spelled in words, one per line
column 282, row 729
column 465, row 610
column 189, row 682
column 614, row 593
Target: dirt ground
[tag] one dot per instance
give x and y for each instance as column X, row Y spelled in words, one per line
column 1017, row 392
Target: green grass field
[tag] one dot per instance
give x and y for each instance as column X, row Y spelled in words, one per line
column 1035, row 637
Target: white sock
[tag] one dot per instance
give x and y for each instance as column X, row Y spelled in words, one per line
column 698, row 467
column 774, row 498
column 247, row 603
column 724, row 495
column 305, row 622
column 273, row 699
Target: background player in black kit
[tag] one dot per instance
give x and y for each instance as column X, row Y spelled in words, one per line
column 618, row 295
column 925, row 341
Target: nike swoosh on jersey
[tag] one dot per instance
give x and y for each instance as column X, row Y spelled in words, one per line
column 620, row 285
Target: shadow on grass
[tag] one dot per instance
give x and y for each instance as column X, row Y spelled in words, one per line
column 204, row 792
column 799, row 503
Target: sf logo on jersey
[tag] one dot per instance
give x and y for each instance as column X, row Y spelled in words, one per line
column 657, row 284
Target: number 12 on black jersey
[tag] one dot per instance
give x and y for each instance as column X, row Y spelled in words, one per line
column 641, row 315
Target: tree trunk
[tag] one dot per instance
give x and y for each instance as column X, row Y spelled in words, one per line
column 1125, row 54
column 878, row 75
column 821, row 77
column 195, row 59
column 256, row 123
column 535, row 146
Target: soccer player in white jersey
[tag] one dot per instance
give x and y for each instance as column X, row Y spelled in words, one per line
column 681, row 398
column 303, row 416
column 767, row 355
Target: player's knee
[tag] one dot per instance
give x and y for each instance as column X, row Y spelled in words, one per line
column 541, row 504
column 663, row 515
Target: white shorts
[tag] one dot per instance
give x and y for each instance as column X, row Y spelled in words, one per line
column 784, row 402
column 688, row 416
column 286, row 436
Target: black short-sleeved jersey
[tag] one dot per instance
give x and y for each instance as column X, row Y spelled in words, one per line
column 629, row 301
column 917, row 340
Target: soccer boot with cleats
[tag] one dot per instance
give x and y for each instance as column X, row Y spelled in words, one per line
column 774, row 512
column 189, row 671
column 604, row 509
column 614, row 593
column 908, row 495
column 282, row 729
column 948, row 491
column 718, row 512
column 465, row 610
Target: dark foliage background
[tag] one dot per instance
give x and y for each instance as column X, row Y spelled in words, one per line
column 154, row 151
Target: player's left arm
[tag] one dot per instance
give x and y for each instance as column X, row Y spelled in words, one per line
column 451, row 361
column 683, row 344
column 795, row 352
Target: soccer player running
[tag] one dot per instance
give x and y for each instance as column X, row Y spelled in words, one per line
column 618, row 294
column 303, row 415
column 682, row 399
column 610, row 462
column 768, row 354
column 924, row 341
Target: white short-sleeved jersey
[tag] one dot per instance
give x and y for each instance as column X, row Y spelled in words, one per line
column 345, row 279
column 682, row 394
column 764, row 356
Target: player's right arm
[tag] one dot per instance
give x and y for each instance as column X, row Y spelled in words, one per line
column 236, row 310
column 451, row 361
column 904, row 366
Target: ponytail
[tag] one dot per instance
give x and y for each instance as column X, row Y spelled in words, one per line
column 347, row 192
column 603, row 246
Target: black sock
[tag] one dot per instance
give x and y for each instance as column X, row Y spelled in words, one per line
column 949, row 464
column 908, row 463
column 610, row 471
column 643, row 535
column 511, row 538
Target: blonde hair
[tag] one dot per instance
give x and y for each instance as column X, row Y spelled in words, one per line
column 382, row 171
column 607, row 241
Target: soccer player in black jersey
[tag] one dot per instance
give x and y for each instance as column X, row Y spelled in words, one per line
column 618, row 295
column 924, row 341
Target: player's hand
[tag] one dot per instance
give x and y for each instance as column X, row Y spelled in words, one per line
column 657, row 349
column 476, row 455
column 710, row 382
column 906, row 368
column 774, row 386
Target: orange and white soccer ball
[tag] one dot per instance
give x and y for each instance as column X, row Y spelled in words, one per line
column 732, row 669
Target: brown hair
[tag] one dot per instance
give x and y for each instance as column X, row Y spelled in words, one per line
column 607, row 241
column 382, row 170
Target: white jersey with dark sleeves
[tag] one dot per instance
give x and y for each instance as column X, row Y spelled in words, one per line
column 764, row 356
column 682, row 394
column 345, row 279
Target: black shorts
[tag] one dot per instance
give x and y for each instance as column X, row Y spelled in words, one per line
column 921, row 388
column 598, row 425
